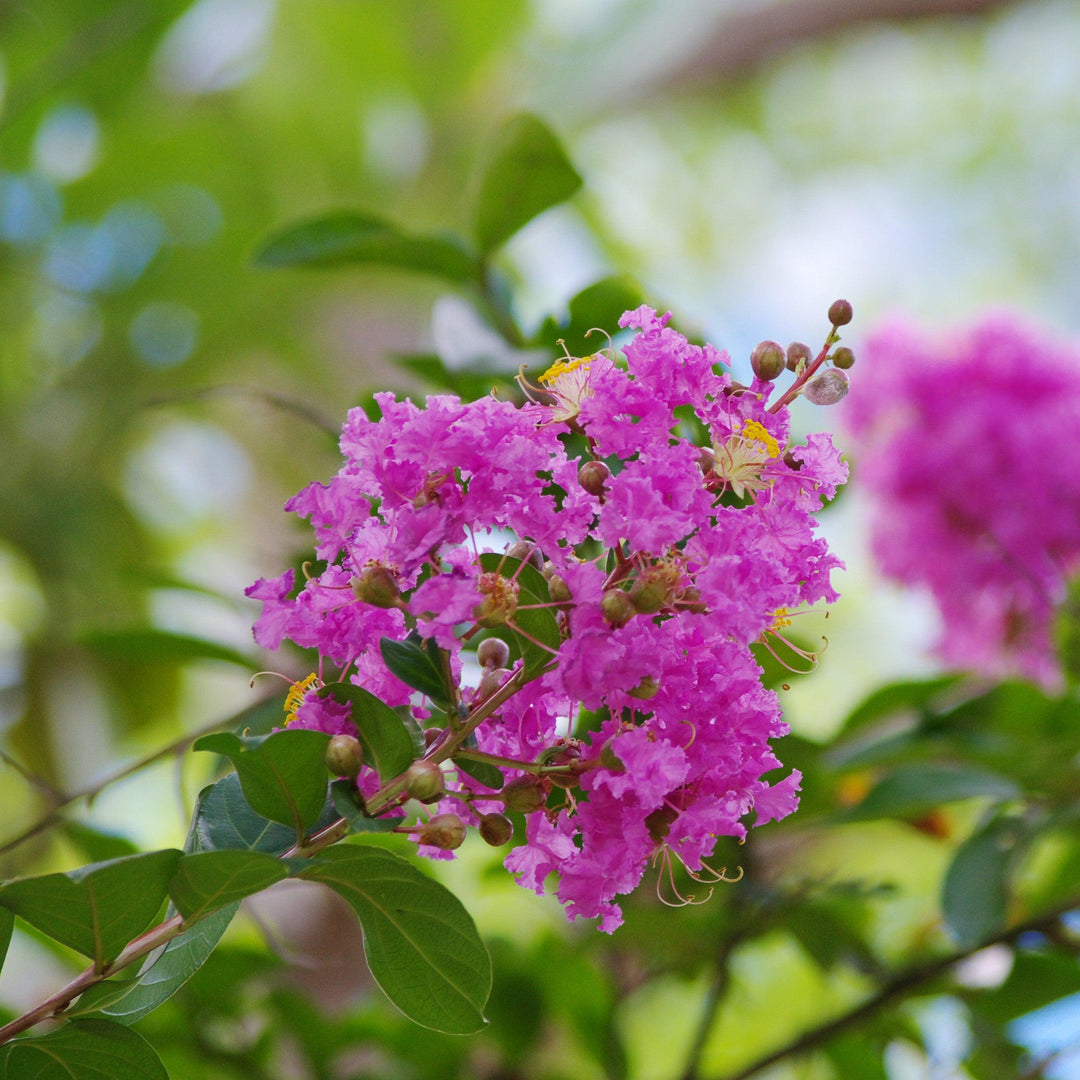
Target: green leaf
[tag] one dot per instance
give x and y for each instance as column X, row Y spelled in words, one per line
column 528, row 171
column 598, row 306
column 162, row 974
column 417, row 663
column 97, row 909
column 975, row 893
column 1036, row 979
column 283, row 775
column 149, row 646
column 95, row 845
column 909, row 791
column 225, row 822
column 348, row 237
column 914, row 696
column 82, row 1050
column 487, row 774
column 421, row 944
column 207, row 880
column 537, row 622
column 7, row 924
column 343, row 796
column 388, row 746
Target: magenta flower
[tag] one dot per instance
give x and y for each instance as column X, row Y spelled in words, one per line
column 959, row 440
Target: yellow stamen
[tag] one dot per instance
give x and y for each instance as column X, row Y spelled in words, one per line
column 295, row 697
column 757, row 432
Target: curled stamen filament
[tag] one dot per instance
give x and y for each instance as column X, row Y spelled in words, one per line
column 665, row 858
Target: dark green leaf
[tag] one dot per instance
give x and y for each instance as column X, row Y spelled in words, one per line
column 535, row 621
column 1036, row 979
column 346, row 237
column 97, row 909
column 388, row 746
column 482, row 771
column 911, row 790
column 343, row 797
column 421, row 945
column 208, row 880
column 597, row 307
column 913, row 697
column 149, row 646
column 7, row 924
column 82, row 1050
column 528, row 171
column 225, row 822
column 162, row 974
column 975, row 892
column 417, row 663
column 95, row 845
column 282, row 775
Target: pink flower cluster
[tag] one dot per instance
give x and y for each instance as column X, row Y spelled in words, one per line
column 682, row 534
column 962, row 442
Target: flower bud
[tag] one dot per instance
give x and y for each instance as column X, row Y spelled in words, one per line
column 843, row 357
column 558, row 589
column 646, row 689
column 493, row 652
column 496, row 829
column 840, row 313
column 344, row 756
column 767, row 360
column 655, row 588
column 424, row 781
column 446, row 831
column 527, row 552
column 524, row 795
column 797, row 353
column 617, row 607
column 432, row 735
column 690, row 600
column 827, row 387
column 593, row 476
column 500, row 600
column 492, row 680
column 376, row 586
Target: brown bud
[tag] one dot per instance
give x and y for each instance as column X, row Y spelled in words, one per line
column 492, row 680
column 431, row 736
column 493, row 652
column 496, row 829
column 797, row 353
column 559, row 590
column 344, row 756
column 843, row 357
column 524, row 795
column 377, row 586
column 527, row 552
column 446, row 831
column 840, row 313
column 617, row 607
column 424, row 781
column 593, row 477
column 768, row 360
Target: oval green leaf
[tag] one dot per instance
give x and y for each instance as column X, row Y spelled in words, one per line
column 417, row 663
column 208, row 880
column 975, row 893
column 911, row 790
column 86, row 1049
column 421, row 944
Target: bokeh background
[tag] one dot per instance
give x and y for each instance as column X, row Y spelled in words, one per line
column 161, row 395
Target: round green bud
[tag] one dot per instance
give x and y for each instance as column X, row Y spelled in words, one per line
column 827, row 387
column 524, row 795
column 646, row 689
column 496, row 829
column 617, row 607
column 493, row 652
column 424, row 781
column 446, row 831
column 797, row 353
column 840, row 313
column 768, row 360
column 593, row 477
column 527, row 552
column 843, row 357
column 558, row 589
column 376, row 586
column 344, row 756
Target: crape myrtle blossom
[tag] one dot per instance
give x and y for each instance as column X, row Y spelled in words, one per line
column 633, row 722
column 959, row 440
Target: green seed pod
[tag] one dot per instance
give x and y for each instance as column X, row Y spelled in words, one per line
column 617, row 607
column 493, row 652
column 496, row 829
column 377, row 586
column 344, row 756
column 843, row 358
column 524, row 795
column 424, row 780
column 768, row 360
column 446, row 831
column 840, row 313
column 797, row 353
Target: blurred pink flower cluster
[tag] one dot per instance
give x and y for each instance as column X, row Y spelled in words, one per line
column 681, row 531
column 963, row 442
